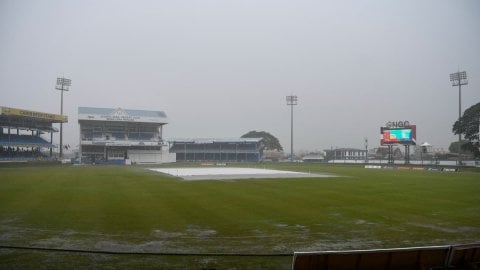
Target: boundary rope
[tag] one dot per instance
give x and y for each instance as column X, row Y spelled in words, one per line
column 109, row 252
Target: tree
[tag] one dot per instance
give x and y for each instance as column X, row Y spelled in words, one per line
column 397, row 153
column 270, row 141
column 468, row 126
column 455, row 147
column 382, row 152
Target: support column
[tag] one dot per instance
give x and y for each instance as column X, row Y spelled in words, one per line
column 390, row 154
column 80, row 144
column 51, row 143
column 407, row 154
column 459, row 159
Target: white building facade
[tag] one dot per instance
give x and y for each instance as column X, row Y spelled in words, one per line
column 119, row 136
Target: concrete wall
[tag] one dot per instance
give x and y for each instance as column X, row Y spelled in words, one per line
column 150, row 156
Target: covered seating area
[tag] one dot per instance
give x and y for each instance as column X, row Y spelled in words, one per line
column 465, row 256
column 25, row 134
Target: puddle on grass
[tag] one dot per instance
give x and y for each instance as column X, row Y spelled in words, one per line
column 296, row 227
column 163, row 234
column 195, row 239
column 351, row 244
column 446, row 228
column 281, row 238
column 196, row 231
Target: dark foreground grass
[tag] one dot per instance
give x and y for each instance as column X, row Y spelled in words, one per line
column 134, row 210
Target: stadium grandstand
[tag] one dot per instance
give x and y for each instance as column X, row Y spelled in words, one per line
column 218, row 150
column 22, row 134
column 120, row 136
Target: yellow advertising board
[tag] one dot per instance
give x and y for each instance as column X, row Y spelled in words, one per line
column 56, row 118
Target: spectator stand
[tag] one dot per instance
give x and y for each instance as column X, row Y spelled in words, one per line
column 432, row 257
column 22, row 134
column 217, row 150
column 122, row 136
column 466, row 256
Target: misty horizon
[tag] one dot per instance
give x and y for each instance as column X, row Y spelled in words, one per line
column 221, row 69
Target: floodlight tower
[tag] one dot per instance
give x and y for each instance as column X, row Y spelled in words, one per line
column 291, row 101
column 62, row 84
column 458, row 79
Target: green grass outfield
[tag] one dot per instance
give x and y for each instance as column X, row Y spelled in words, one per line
column 132, row 209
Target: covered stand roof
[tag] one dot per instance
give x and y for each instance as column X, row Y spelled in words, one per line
column 29, row 120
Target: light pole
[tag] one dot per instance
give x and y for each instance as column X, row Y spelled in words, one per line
column 62, row 85
column 291, row 101
column 458, row 79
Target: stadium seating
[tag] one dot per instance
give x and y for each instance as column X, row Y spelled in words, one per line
column 403, row 258
column 140, row 136
column 26, row 140
column 145, row 136
column 118, row 135
column 465, row 256
column 221, row 150
column 87, row 136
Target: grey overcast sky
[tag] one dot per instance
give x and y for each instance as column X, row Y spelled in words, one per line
column 222, row 68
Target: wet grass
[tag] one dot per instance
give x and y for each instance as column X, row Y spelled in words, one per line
column 133, row 209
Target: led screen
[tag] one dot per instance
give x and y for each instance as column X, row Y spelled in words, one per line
column 392, row 136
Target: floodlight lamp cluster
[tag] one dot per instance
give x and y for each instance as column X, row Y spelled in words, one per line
column 292, row 100
column 459, row 78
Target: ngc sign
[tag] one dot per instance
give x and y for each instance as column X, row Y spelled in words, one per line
column 397, row 124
